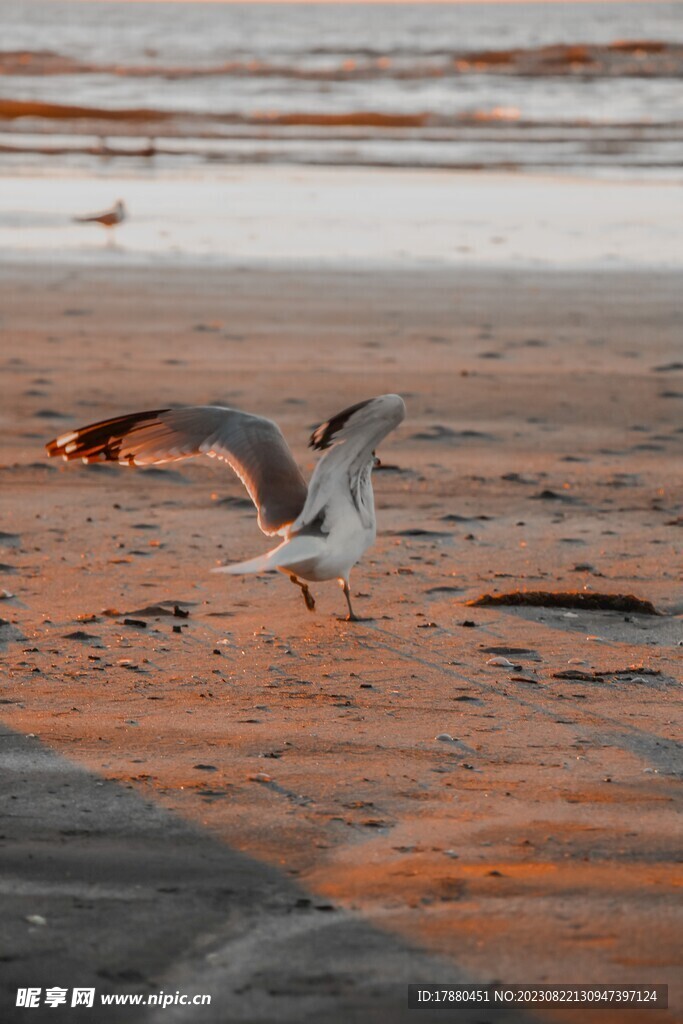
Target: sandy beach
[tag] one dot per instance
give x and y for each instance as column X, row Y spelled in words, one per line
column 262, row 808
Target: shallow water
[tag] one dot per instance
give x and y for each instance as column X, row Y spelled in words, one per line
column 458, row 85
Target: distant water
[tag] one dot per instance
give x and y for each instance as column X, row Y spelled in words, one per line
column 579, row 87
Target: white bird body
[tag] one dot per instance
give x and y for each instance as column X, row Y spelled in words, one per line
column 326, row 527
column 108, row 218
column 317, row 558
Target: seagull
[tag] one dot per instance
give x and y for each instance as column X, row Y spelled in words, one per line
column 109, row 218
column 326, row 526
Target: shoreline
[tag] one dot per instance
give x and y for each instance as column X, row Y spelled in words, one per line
column 245, row 215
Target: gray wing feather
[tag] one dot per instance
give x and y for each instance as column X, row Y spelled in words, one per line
column 252, row 445
column 350, row 439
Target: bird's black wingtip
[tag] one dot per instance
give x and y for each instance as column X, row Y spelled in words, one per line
column 324, row 435
column 99, row 440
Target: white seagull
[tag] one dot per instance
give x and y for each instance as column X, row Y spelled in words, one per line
column 326, row 526
column 109, row 218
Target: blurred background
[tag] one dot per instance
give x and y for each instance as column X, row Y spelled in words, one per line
column 109, row 98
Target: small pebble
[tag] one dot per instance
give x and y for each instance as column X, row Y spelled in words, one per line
column 37, row 919
column 499, row 660
column 444, row 737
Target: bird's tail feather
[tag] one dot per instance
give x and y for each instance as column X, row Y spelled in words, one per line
column 293, row 552
column 260, row 564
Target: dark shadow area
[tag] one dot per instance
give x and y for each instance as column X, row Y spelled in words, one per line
column 126, row 897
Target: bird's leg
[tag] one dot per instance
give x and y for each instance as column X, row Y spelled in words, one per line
column 308, row 596
column 351, row 617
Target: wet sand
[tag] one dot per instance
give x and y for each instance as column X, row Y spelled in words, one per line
column 539, row 842
column 331, row 217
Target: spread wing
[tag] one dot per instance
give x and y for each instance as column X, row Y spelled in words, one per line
column 349, row 440
column 252, row 446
